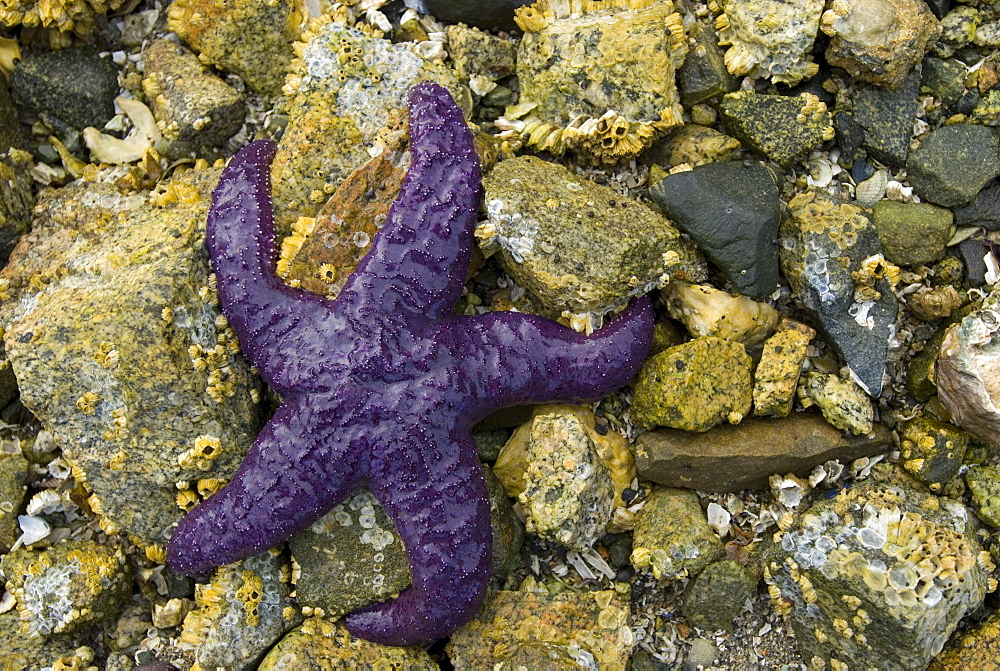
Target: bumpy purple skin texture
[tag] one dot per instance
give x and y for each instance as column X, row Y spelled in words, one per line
column 381, row 386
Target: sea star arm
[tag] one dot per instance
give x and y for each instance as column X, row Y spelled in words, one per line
column 418, row 261
column 294, row 473
column 513, row 358
column 430, row 483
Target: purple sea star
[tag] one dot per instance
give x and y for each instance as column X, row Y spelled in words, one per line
column 381, row 386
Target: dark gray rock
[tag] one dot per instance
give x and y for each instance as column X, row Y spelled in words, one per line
column 972, row 251
column 732, row 212
column 953, row 163
column 984, row 210
column 887, row 117
column 74, row 87
column 716, row 596
column 16, row 197
column 704, row 74
column 850, row 134
column 944, row 79
column 488, row 14
column 831, row 255
column 779, row 127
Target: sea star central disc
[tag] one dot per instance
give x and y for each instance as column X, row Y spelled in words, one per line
column 382, row 385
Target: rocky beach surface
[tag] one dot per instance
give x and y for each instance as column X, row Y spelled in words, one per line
column 805, row 472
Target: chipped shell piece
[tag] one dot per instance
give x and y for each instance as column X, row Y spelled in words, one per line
column 707, row 311
column 611, row 63
column 770, row 39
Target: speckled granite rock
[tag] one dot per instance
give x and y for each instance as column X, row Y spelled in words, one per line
column 252, row 38
column 977, row 648
column 672, row 536
column 912, row 233
column 592, row 626
column 953, row 163
column 732, row 458
column 779, row 127
column 72, row 87
column 13, row 475
column 830, row 253
column 194, row 109
column 878, row 41
column 731, row 210
column 114, row 333
column 67, row 586
column 241, row 612
column 16, row 197
column 716, row 596
column 319, row 645
column 932, row 451
column 777, row 374
column 18, row 651
column 577, row 245
column 707, row 311
column 878, row 576
column 984, row 484
column 693, row 386
column 843, row 403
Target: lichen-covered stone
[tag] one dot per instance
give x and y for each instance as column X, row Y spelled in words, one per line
column 16, row 197
column 597, row 78
column 568, row 493
column 912, row 233
column 878, row 576
column 475, row 53
column 932, row 451
column 72, row 87
column 577, row 245
column 252, row 38
column 966, row 370
column 194, row 109
column 772, row 39
column 18, row 651
column 958, row 28
column 843, row 403
column 77, row 16
column 977, row 648
column 694, row 386
column 878, row 41
column 716, row 596
column 672, row 536
column 239, row 614
column 886, row 115
column 732, row 458
column 67, row 586
column 120, row 350
column 984, row 485
column 320, row 645
column 732, row 211
column 707, row 311
column 695, row 145
column 777, row 374
column 592, row 625
column 779, row 127
column 831, row 255
column 13, row 476
column 344, row 88
column 953, row 163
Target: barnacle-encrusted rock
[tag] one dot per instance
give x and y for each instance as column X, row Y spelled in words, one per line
column 577, row 245
column 770, row 39
column 716, row 596
column 878, row 576
column 252, row 38
column 830, row 253
column 320, row 645
column 777, row 374
column 967, row 368
column 13, row 475
column 672, row 536
column 934, row 303
column 18, row 651
column 694, row 386
column 707, row 311
column 932, row 451
column 953, row 163
column 842, row 402
column 977, row 648
column 592, row 627
column 120, row 350
column 68, row 586
column 568, row 493
column 612, row 449
column 16, row 197
column 779, row 127
column 731, row 458
column 695, row 145
column 240, row 613
column 878, row 41
column 64, row 15
column 597, row 77
column 345, row 87
column 194, row 109
column 984, row 485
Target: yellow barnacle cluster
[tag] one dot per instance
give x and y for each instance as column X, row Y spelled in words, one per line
column 66, row 16
column 87, row 404
column 202, row 454
column 250, row 594
column 292, row 244
column 106, row 355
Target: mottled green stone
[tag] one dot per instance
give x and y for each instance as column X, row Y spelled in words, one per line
column 672, row 536
column 984, row 484
column 912, row 233
column 716, row 596
column 779, row 127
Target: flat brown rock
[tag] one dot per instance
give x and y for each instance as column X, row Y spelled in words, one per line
column 732, row 458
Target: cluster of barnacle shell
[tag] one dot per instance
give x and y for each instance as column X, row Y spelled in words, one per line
column 64, row 15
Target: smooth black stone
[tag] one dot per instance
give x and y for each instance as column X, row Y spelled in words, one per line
column 861, row 170
column 486, row 14
column 967, row 102
column 850, row 134
column 75, row 87
column 732, row 211
column 939, row 7
column 984, row 210
column 972, row 252
column 887, row 117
